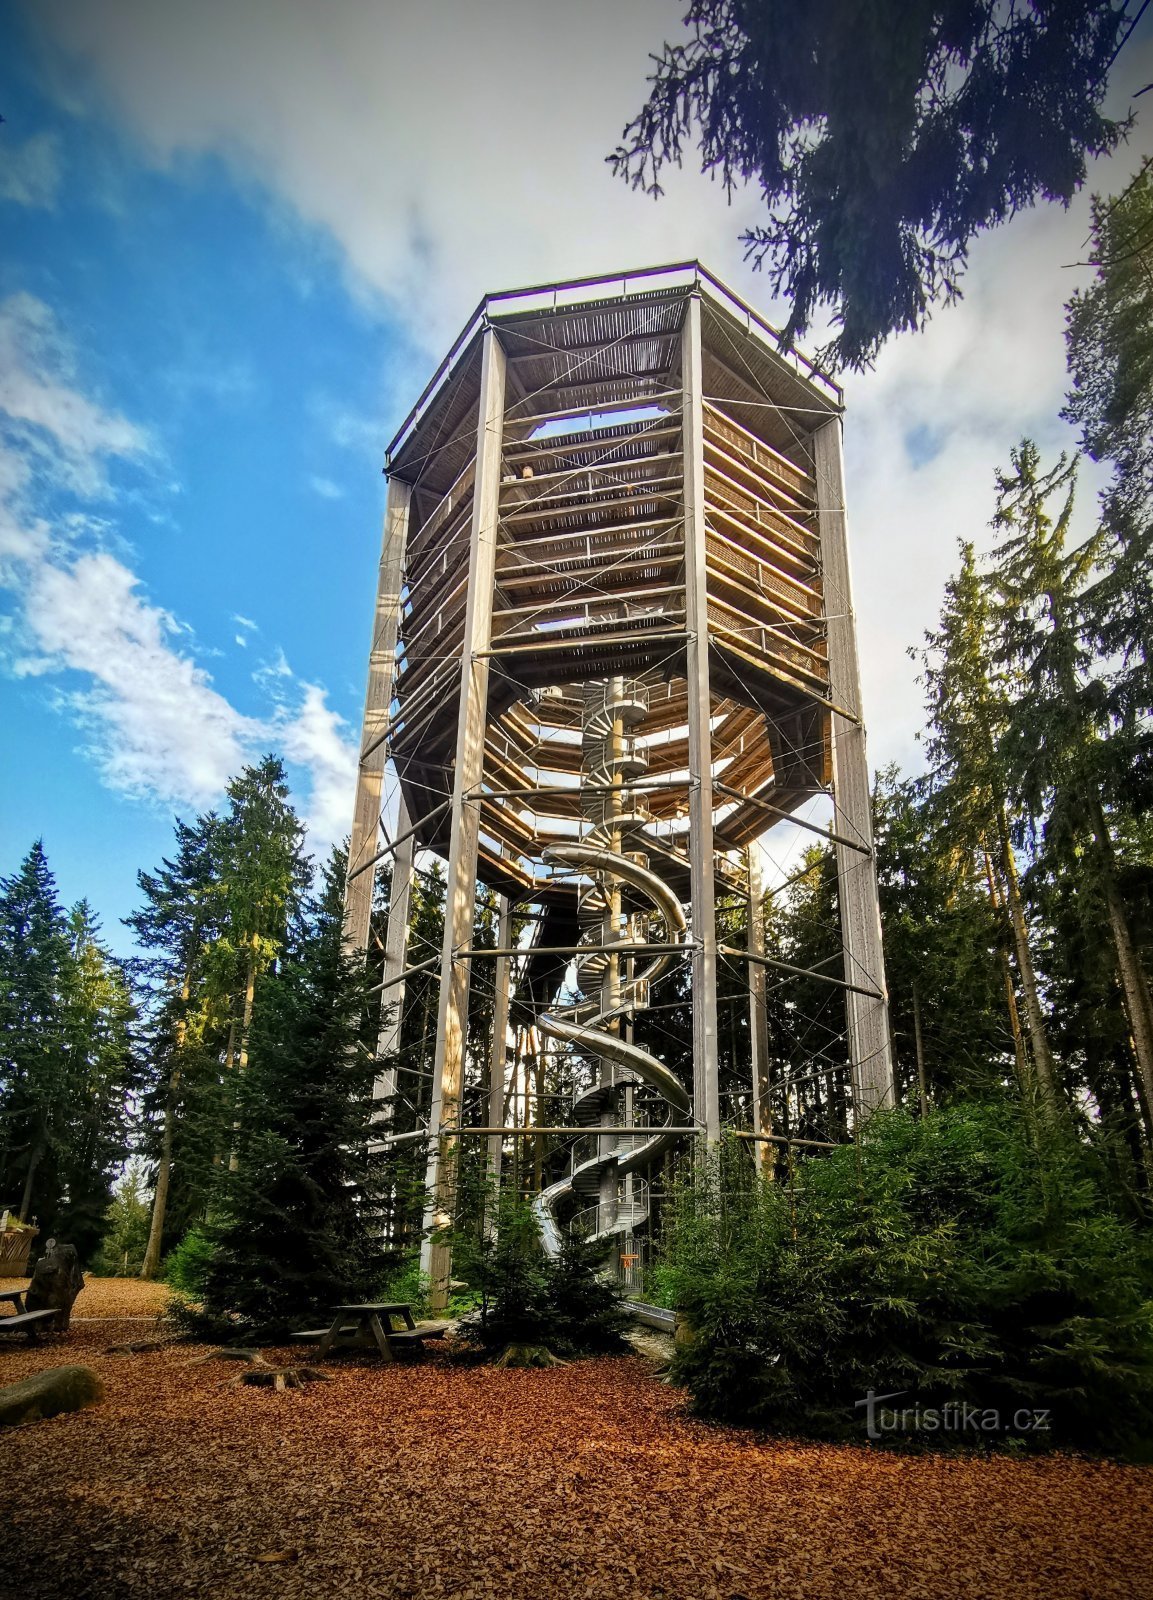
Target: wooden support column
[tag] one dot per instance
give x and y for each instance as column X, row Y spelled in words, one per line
column 870, row 1054
column 395, row 959
column 460, row 890
column 758, row 1013
column 706, row 1089
column 499, row 1052
column 377, row 700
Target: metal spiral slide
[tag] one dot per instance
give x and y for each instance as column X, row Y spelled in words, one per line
column 612, row 760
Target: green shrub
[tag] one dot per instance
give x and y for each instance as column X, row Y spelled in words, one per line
column 586, row 1311
column 945, row 1260
column 509, row 1270
column 407, row 1284
column 186, row 1267
column 529, row 1300
column 658, row 1286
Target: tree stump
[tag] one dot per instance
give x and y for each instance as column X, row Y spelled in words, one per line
column 527, row 1355
column 56, row 1281
column 281, row 1378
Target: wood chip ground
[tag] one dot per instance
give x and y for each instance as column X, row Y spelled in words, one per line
column 589, row 1480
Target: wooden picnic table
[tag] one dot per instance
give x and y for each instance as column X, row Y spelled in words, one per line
column 15, row 1295
column 370, row 1326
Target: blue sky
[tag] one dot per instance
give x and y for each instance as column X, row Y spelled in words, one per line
column 237, row 237
column 227, row 459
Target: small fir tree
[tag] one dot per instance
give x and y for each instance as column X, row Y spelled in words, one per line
column 534, row 1309
column 102, row 1075
column 126, row 1222
column 67, row 1059
column 35, row 963
column 298, row 1225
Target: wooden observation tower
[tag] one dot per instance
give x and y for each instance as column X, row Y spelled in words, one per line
column 613, row 647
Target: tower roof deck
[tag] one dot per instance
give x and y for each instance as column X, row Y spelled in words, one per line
column 565, row 340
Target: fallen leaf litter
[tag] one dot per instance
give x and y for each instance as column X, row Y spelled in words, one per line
column 588, row 1480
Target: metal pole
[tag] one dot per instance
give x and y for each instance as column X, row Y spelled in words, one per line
column 499, row 1051
column 758, row 1005
column 394, row 975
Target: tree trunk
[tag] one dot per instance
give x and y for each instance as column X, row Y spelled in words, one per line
column 1134, row 986
column 26, row 1198
column 1110, row 1080
column 242, row 1052
column 1048, row 1094
column 150, row 1266
column 1020, row 1056
column 538, row 1139
column 922, row 1090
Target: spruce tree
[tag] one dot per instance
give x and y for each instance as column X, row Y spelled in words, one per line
column 127, row 1223
column 35, row 969
column 951, row 1038
column 968, row 706
column 1088, row 1021
column 297, row 1227
column 807, row 1017
column 101, row 1075
column 263, row 874
column 175, row 927
column 1110, row 353
column 1064, row 757
column 882, row 138
column 67, row 1059
column 406, row 1163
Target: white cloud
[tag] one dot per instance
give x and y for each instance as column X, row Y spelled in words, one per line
column 47, row 422
column 974, row 383
column 125, row 669
column 268, row 673
column 350, row 430
column 20, row 544
column 30, row 174
column 319, row 739
column 157, row 727
column 245, row 622
column 325, row 488
column 449, row 150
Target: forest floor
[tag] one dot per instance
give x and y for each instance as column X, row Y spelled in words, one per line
column 589, row 1480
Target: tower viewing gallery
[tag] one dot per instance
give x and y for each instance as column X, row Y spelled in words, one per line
column 613, row 649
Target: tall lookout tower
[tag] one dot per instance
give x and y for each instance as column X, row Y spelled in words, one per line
column 614, row 646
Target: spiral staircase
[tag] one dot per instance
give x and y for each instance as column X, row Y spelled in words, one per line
column 611, row 990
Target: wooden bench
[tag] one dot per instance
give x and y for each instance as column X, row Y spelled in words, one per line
column 395, row 1336
column 417, row 1335
column 29, row 1322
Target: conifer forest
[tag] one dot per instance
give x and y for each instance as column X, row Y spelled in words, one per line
column 773, row 1380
